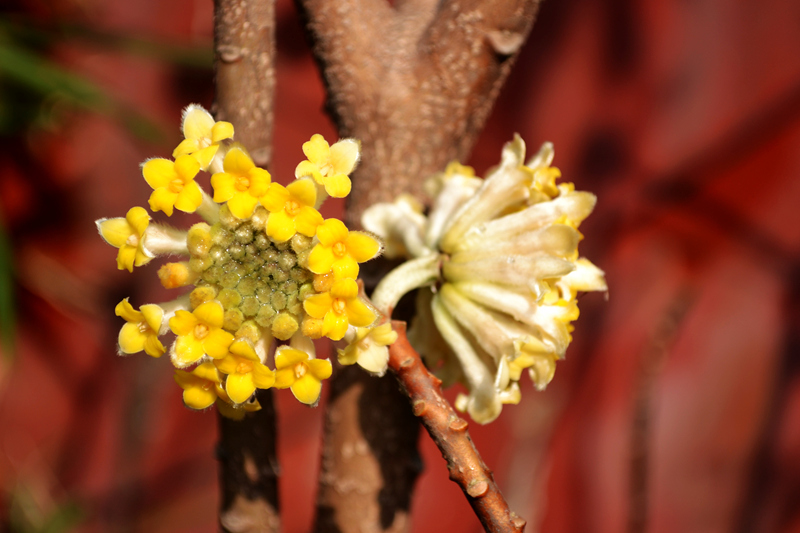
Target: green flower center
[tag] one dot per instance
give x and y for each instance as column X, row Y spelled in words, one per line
column 256, row 280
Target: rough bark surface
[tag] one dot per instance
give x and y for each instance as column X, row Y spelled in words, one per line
column 249, row 471
column 414, row 82
column 449, row 432
column 244, row 53
column 244, row 44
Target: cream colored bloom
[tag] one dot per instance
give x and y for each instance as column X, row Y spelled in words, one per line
column 502, row 254
column 368, row 347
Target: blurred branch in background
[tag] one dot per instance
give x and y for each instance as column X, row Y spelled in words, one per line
column 33, row 86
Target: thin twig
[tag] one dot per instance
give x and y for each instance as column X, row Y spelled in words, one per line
column 449, row 432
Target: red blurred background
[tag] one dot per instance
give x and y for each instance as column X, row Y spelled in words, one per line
column 678, row 407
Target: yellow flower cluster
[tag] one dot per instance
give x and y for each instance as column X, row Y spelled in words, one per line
column 500, row 256
column 263, row 264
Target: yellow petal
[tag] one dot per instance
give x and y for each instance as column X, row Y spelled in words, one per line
column 362, row 247
column 221, row 130
column 287, row 357
column 131, row 339
column 276, row 197
column 359, row 314
column 245, row 349
column 205, row 156
column 337, row 186
column 141, row 258
column 240, row 387
column 227, row 365
column 163, row 200
column 317, row 150
column 125, row 310
column 320, row 260
column 307, row 221
column 280, row 226
column 259, row 181
column 307, row 389
column 126, row 258
column 346, row 267
column 182, row 323
column 186, row 147
column 332, row 231
column 303, row 191
column 158, row 172
column 263, row 377
column 153, row 346
column 138, row 219
column 115, row 231
column 187, row 168
column 199, row 397
column 188, row 350
column 153, row 315
column 216, row 343
column 348, row 356
column 284, row 378
column 334, row 326
column 346, row 289
column 318, row 305
column 224, row 185
column 210, row 313
column 321, row 368
column 206, row 371
column 190, row 198
column 344, row 156
column 242, row 205
column 237, row 162
column 307, row 169
column 197, row 122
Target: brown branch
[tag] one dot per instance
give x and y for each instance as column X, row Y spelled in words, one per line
column 416, row 89
column 449, row 432
column 249, row 470
column 244, row 43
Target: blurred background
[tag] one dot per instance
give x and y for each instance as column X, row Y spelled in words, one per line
column 678, row 407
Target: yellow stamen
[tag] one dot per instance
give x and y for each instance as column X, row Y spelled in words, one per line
column 338, row 306
column 339, row 249
column 200, row 331
column 242, row 184
column 292, row 208
column 300, row 370
column 175, row 185
column 244, row 367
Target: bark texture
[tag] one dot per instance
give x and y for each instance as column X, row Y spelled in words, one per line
column 449, row 432
column 244, row 44
column 244, row 63
column 414, row 82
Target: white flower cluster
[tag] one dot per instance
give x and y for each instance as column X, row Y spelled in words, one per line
column 498, row 260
